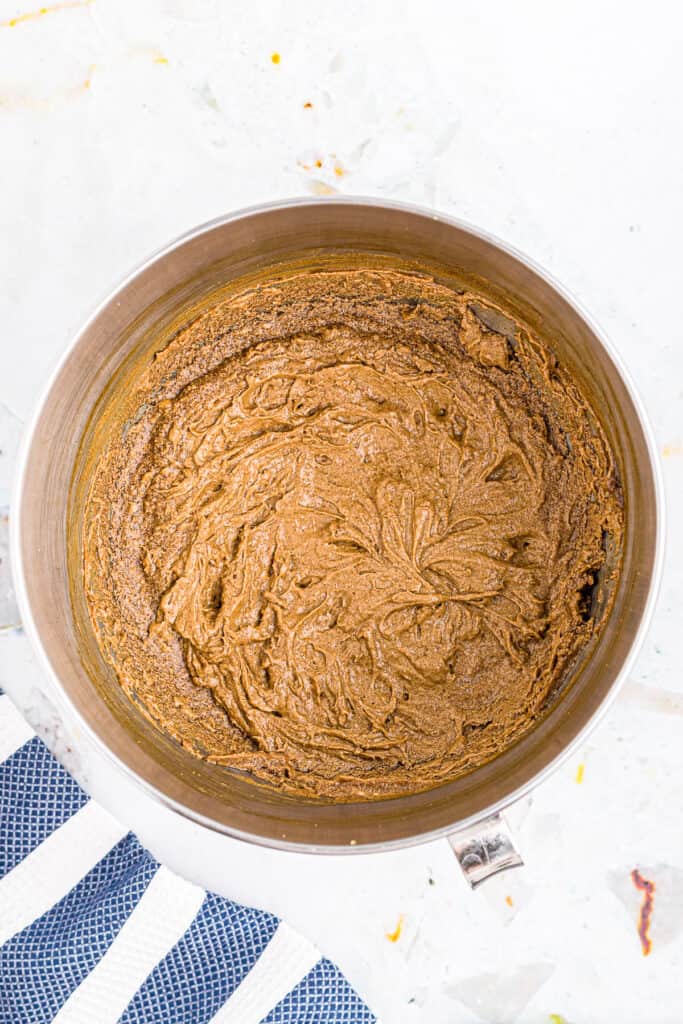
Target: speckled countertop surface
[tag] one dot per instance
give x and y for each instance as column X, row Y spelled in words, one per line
column 553, row 126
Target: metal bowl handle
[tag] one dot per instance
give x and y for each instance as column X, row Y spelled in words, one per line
column 484, row 849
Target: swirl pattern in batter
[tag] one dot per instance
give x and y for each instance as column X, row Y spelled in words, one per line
column 349, row 539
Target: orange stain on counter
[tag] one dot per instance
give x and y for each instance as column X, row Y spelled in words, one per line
column 308, row 105
column 275, row 57
column 309, row 167
column 509, row 901
column 648, row 889
column 41, row 11
column 396, row 934
column 321, row 188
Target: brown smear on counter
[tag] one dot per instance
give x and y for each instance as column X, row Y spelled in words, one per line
column 648, row 890
column 351, row 533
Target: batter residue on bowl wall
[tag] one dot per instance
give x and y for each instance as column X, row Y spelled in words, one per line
column 349, row 540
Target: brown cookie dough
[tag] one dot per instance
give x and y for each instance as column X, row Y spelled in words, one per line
column 349, row 539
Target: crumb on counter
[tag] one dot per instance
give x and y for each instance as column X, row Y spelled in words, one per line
column 275, row 58
column 309, row 167
column 396, row 934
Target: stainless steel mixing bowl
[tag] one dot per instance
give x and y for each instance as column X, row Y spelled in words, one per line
column 160, row 295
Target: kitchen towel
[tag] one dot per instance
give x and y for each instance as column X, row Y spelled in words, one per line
column 93, row 930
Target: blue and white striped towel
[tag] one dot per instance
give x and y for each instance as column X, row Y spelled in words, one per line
column 93, row 930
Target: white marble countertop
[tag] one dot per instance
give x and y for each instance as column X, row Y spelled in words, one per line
column 124, row 123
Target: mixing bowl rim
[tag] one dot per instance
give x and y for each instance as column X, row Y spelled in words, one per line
column 564, row 754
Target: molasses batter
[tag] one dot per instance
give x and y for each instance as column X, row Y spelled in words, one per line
column 351, row 538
